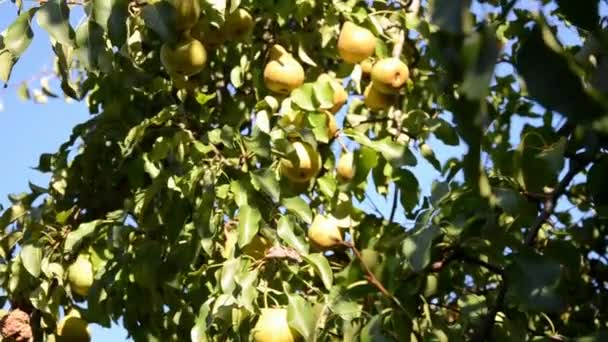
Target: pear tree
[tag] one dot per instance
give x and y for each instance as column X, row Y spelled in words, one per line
column 311, row 170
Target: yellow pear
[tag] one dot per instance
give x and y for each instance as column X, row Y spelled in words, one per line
column 340, row 94
column 389, row 75
column 239, row 24
column 72, row 328
column 301, row 164
column 80, row 275
column 272, row 326
column 324, row 232
column 283, row 73
column 188, row 57
column 345, row 168
column 187, row 13
column 369, row 257
column 355, row 43
column 376, row 100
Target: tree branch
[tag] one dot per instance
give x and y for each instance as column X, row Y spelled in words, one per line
column 577, row 164
column 395, row 201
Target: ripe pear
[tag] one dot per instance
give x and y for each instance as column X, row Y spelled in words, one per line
column 272, row 326
column 72, row 328
column 188, row 57
column 345, row 168
column 376, row 100
column 187, row 13
column 340, row 94
column 355, row 43
column 80, row 275
column 389, row 75
column 301, row 164
column 324, row 232
column 239, row 24
column 283, row 73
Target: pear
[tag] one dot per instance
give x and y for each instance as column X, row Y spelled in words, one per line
column 272, row 326
column 376, row 100
column 345, row 167
column 389, row 75
column 72, row 328
column 283, row 73
column 340, row 94
column 301, row 164
column 187, row 13
column 324, row 232
column 239, row 24
column 188, row 57
column 80, row 275
column 355, row 43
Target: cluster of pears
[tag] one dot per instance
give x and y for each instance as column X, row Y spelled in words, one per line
column 80, row 277
column 188, row 56
column 357, row 44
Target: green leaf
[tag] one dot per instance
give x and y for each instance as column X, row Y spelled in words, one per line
column 324, row 93
column 11, row 214
column 445, row 132
column 515, row 204
column 372, row 331
column 321, row 266
column 451, row 15
column 533, row 283
column 298, row 206
column 90, row 44
column 597, row 183
column 229, row 270
column 31, row 257
column 303, row 97
column 480, row 52
column 249, row 224
column 548, row 77
column 76, row 236
column 285, row 230
column 160, row 18
column 264, row 180
column 583, row 14
column 537, row 165
column 7, row 62
column 319, row 123
column 395, row 153
column 54, row 17
column 417, row 247
column 410, row 190
column 300, row 316
column 19, row 34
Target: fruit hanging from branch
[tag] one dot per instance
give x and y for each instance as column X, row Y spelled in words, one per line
column 301, row 164
column 389, row 75
column 283, row 73
column 188, row 57
column 80, row 275
column 272, row 326
column 355, row 43
column 324, row 232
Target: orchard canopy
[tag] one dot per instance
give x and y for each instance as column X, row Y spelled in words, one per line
column 224, row 185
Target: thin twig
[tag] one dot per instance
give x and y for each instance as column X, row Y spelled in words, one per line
column 394, row 208
column 371, row 278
